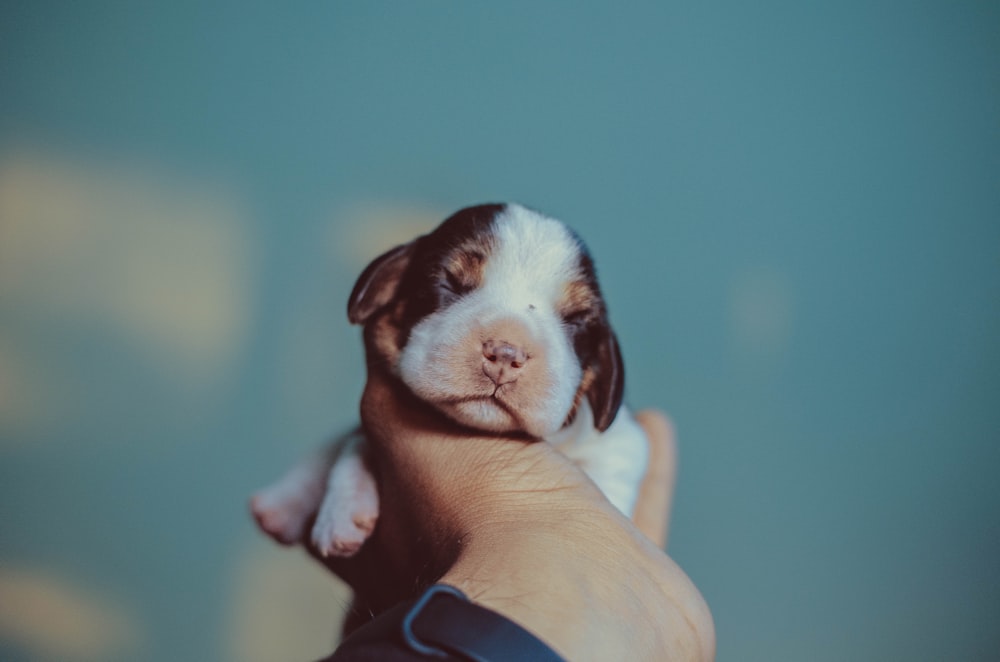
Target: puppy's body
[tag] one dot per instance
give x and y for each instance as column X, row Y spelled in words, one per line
column 496, row 320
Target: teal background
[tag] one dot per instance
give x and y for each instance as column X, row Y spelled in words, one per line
column 794, row 208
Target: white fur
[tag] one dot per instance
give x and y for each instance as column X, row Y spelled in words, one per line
column 615, row 459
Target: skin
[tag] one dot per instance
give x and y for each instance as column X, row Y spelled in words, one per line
column 521, row 530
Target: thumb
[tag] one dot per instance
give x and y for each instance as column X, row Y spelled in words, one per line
column 652, row 510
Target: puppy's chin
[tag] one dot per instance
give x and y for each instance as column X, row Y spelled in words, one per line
column 490, row 415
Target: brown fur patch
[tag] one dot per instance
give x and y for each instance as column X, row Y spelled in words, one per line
column 579, row 298
column 384, row 336
column 464, row 266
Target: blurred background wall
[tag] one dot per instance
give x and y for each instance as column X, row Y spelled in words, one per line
column 794, row 206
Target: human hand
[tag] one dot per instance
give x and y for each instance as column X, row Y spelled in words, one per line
column 521, row 530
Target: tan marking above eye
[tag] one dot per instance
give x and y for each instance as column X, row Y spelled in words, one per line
column 578, row 300
column 464, row 269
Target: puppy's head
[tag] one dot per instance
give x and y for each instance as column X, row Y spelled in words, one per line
column 495, row 319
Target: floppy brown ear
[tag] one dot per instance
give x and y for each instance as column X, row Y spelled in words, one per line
column 608, row 388
column 377, row 284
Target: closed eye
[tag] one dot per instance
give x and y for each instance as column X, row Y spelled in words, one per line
column 454, row 284
column 577, row 318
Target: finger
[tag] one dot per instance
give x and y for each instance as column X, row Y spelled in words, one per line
column 652, row 510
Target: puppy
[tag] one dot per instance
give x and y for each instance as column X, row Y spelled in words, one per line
column 496, row 320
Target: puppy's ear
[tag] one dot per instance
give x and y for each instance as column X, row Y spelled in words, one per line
column 378, row 283
column 607, row 390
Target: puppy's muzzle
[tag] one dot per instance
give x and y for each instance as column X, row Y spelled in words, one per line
column 503, row 361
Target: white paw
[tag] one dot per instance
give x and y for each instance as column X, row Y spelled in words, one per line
column 341, row 528
column 283, row 513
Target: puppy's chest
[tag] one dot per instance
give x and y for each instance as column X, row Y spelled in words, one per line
column 615, row 459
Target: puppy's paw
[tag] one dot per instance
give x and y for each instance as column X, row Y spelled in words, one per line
column 346, row 519
column 349, row 510
column 342, row 534
column 283, row 513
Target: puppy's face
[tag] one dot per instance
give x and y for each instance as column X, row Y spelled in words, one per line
column 496, row 319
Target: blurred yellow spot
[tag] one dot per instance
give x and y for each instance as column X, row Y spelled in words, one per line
column 51, row 619
column 360, row 234
column 162, row 264
column 284, row 607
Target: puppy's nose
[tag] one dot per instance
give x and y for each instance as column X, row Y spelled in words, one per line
column 504, row 361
